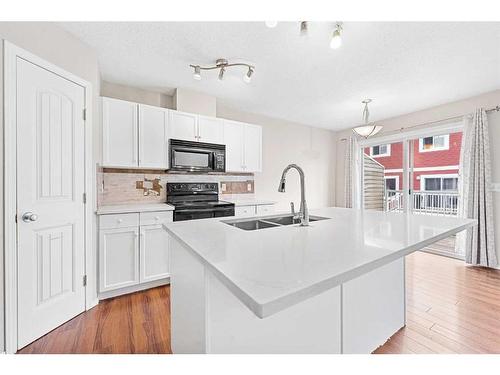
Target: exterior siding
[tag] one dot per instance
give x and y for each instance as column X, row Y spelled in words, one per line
column 429, row 159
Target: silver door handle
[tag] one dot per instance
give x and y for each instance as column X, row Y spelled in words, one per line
column 29, row 217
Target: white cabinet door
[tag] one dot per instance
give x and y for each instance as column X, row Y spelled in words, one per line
column 118, row 258
column 264, row 209
column 252, row 136
column 233, row 139
column 244, row 211
column 153, row 138
column 183, row 126
column 210, row 130
column 154, row 253
column 119, row 124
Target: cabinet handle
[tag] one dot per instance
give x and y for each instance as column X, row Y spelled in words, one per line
column 119, row 221
column 157, row 218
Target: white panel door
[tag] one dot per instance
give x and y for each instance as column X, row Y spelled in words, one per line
column 183, row 126
column 252, row 161
column 119, row 133
column 118, row 258
column 50, row 185
column 233, row 139
column 153, row 138
column 155, row 257
column 210, row 130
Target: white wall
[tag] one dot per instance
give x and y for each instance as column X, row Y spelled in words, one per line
column 133, row 94
column 486, row 100
column 283, row 143
column 57, row 46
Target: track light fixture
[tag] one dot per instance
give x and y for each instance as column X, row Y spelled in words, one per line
column 303, row 28
column 222, row 65
column 336, row 40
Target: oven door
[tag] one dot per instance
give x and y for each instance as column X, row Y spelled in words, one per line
column 191, row 159
column 202, row 213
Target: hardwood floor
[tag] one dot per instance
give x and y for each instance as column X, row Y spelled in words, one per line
column 135, row 323
column 451, row 308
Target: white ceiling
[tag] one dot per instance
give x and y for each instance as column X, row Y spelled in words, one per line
column 404, row 67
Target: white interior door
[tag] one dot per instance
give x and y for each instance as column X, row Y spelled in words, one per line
column 50, row 209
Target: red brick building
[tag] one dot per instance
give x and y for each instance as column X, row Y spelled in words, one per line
column 436, row 162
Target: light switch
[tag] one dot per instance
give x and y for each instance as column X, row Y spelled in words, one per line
column 223, row 187
column 249, row 187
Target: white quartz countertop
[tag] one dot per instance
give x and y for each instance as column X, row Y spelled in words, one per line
column 246, row 201
column 274, row 268
column 127, row 208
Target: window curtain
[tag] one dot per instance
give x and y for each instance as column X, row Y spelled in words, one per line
column 352, row 173
column 478, row 243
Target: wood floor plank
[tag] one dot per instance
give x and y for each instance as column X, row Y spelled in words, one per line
column 451, row 308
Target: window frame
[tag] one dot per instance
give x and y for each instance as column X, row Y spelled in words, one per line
column 441, row 177
column 395, row 178
column 386, row 154
column 443, row 148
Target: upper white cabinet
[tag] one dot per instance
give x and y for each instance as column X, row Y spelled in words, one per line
column 136, row 135
column 183, row 126
column 243, row 147
column 153, row 137
column 210, row 130
column 196, row 128
column 119, row 124
column 252, row 149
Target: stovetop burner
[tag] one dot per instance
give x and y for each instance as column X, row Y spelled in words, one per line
column 197, row 201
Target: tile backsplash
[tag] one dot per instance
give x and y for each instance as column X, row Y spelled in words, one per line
column 136, row 186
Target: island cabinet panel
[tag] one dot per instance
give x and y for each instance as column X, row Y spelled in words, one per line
column 207, row 317
column 373, row 308
column 310, row 327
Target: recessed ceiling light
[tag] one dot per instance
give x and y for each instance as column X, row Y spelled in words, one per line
column 271, row 24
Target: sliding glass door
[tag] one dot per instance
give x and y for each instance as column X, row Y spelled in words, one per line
column 417, row 173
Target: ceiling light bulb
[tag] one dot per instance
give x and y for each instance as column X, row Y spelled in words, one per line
column 271, row 24
column 336, row 41
column 197, row 73
column 248, row 76
column 221, row 73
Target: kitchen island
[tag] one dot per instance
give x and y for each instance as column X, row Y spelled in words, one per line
column 337, row 286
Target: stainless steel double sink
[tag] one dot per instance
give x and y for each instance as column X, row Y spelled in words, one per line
column 268, row 222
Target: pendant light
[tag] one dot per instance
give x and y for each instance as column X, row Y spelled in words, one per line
column 367, row 130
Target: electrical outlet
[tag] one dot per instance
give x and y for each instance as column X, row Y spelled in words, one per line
column 249, row 187
column 223, row 187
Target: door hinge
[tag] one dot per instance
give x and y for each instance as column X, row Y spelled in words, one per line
column 84, row 280
column 84, row 114
column 15, row 218
column 84, row 198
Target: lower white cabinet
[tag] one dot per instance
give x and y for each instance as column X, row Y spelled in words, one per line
column 119, row 258
column 252, row 210
column 132, row 254
column 154, row 253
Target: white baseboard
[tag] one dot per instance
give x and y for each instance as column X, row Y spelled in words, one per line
column 132, row 289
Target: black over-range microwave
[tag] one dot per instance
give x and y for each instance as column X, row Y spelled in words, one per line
column 196, row 156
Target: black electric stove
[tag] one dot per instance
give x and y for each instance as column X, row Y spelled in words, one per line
column 197, row 201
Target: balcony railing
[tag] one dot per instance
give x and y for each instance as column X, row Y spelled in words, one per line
column 424, row 202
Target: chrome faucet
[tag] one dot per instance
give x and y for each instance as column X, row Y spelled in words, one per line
column 304, row 212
